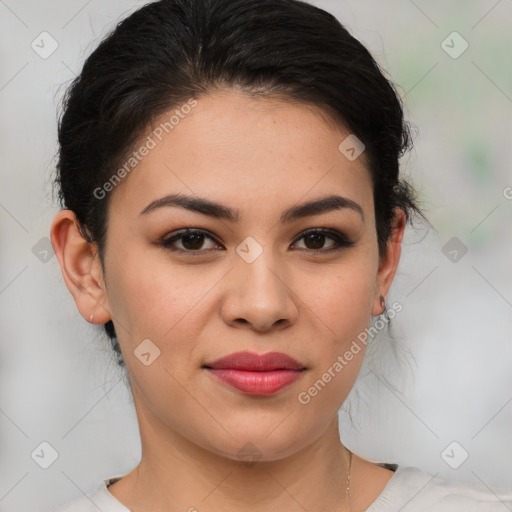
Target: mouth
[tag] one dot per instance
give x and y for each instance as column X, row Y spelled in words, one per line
column 258, row 375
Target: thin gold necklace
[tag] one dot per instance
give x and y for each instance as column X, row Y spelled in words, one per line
column 347, row 491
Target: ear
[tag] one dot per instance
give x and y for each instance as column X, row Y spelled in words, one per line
column 81, row 267
column 389, row 261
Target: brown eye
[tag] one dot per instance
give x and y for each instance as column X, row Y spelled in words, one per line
column 191, row 240
column 315, row 239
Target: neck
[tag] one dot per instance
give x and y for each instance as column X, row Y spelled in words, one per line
column 175, row 474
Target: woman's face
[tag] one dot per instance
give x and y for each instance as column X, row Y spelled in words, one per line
column 253, row 280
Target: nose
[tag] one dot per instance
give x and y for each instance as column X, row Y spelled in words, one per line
column 259, row 295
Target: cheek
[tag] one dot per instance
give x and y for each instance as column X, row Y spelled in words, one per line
column 169, row 304
column 145, row 301
column 342, row 297
column 340, row 307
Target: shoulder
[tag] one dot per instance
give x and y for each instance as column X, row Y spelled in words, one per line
column 98, row 499
column 421, row 491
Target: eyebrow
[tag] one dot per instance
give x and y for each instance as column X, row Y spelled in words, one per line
column 219, row 211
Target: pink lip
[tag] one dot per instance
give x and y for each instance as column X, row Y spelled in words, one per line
column 256, row 374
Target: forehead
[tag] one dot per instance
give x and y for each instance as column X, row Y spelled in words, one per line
column 232, row 147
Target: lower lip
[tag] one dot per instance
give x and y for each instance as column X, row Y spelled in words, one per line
column 257, row 383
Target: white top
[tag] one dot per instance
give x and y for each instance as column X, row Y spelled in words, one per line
column 409, row 489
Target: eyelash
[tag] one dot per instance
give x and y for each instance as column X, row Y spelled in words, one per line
column 341, row 241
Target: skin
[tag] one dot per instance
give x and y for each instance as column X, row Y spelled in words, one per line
column 261, row 157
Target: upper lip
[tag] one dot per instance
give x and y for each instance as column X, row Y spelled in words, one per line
column 250, row 361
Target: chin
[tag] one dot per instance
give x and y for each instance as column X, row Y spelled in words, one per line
column 259, row 445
